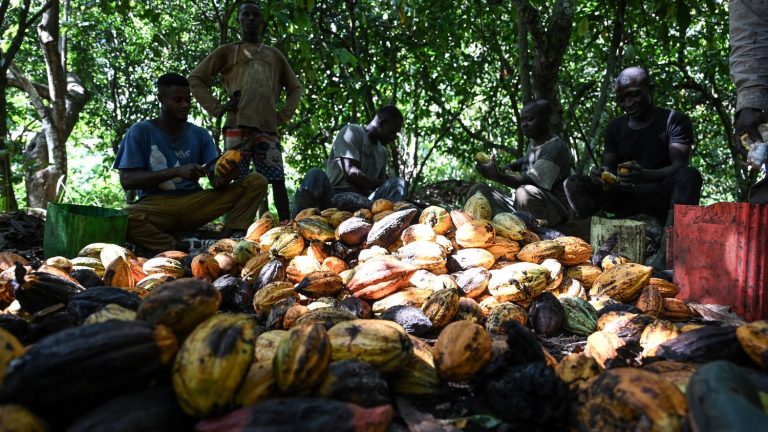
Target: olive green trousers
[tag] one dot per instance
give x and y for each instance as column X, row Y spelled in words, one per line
column 153, row 220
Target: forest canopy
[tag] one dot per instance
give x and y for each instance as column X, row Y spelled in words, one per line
column 77, row 73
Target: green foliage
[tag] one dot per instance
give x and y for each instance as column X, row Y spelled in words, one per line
column 451, row 66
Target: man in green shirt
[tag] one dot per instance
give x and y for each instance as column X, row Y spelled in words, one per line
column 356, row 170
column 538, row 183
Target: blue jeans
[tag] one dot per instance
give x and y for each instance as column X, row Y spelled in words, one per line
column 316, row 191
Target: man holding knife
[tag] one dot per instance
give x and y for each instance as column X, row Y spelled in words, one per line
column 164, row 158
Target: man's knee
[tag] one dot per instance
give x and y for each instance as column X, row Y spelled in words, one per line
column 690, row 177
column 526, row 195
column 254, row 182
column 314, row 178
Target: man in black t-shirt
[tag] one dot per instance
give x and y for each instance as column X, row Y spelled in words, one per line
column 648, row 149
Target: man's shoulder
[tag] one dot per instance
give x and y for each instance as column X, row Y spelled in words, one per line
column 193, row 128
column 142, row 128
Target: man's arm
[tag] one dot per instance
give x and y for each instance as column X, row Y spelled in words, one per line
column 748, row 29
column 142, row 179
column 679, row 155
column 355, row 175
column 491, row 172
column 293, row 93
column 200, row 81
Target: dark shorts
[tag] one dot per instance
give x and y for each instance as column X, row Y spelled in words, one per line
column 262, row 148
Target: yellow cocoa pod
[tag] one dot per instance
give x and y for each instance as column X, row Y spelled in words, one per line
column 300, row 266
column 268, row 238
column 288, row 246
column 479, row 207
column 118, row 273
column 468, row 258
column 18, row 418
column 626, row 398
column 510, row 226
column 307, row 212
column 503, row 248
column 384, row 344
column 650, row 301
column 656, row 333
column 418, row 377
column 258, row 228
column 518, row 282
column 577, row 367
column 320, row 283
column 363, row 214
column 212, row 362
column 258, row 384
column 314, row 230
column 425, row 255
column 677, row 310
column 622, row 283
column 753, row 338
column 665, row 287
column 612, row 260
column 418, row 232
column 586, row 274
column 301, row 359
column 226, row 159
column 441, row 307
column 503, row 313
column 339, row 217
column 537, row 252
column 412, row 296
column 608, row 177
column 475, row 234
column 266, row 345
column 602, row 346
column 10, row 348
column 381, row 205
column 269, row 295
column 461, row 350
column 577, row 251
column 437, row 218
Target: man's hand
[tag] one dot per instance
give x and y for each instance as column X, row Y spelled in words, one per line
column 228, row 169
column 191, row 172
column 629, row 172
column 747, row 121
column 489, row 170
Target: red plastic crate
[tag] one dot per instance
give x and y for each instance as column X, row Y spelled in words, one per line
column 720, row 255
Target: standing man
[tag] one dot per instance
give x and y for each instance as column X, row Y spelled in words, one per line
column 164, row 158
column 357, row 164
column 539, row 183
column 748, row 22
column 254, row 76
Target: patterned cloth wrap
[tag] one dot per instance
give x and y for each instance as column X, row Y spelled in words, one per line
column 262, row 148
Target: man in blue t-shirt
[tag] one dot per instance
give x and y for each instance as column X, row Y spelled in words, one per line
column 163, row 159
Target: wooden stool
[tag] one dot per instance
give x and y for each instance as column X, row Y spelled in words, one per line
column 631, row 239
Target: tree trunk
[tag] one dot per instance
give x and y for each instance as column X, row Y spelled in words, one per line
column 550, row 45
column 605, row 87
column 525, row 61
column 47, row 152
column 7, row 198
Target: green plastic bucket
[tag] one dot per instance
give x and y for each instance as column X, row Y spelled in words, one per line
column 70, row 227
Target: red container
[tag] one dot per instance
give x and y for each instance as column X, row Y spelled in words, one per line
column 720, row 255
